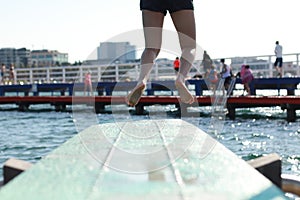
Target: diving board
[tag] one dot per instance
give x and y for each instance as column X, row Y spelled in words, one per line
column 147, row 159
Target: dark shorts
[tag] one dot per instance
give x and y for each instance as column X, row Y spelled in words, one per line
column 227, row 80
column 278, row 62
column 166, row 5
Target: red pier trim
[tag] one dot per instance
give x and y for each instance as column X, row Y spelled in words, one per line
column 251, row 100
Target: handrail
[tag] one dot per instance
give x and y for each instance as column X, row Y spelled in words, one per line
column 197, row 86
column 261, row 65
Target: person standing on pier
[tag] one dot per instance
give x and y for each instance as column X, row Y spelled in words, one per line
column 88, row 83
column 278, row 61
column 3, row 70
column 176, row 65
column 153, row 14
column 247, row 77
column 212, row 77
column 12, row 74
column 206, row 62
column 226, row 75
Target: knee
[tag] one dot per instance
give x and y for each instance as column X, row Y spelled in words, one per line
column 152, row 51
column 150, row 54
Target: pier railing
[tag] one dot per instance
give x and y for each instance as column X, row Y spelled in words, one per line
column 262, row 67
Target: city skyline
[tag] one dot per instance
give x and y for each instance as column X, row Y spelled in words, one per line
column 224, row 28
column 107, row 52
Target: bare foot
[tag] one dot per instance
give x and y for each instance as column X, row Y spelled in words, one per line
column 185, row 95
column 134, row 96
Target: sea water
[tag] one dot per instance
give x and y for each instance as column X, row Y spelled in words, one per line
column 256, row 132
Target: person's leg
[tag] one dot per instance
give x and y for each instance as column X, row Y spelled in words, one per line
column 152, row 23
column 85, row 87
column 280, row 67
column 247, row 88
column 276, row 67
column 91, row 89
column 279, row 70
column 226, row 85
column 214, row 88
column 184, row 22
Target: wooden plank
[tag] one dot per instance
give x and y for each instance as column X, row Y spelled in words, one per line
column 149, row 159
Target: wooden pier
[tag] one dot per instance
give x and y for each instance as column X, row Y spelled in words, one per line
column 288, row 103
column 173, row 160
column 63, row 94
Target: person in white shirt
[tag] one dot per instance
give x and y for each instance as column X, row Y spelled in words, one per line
column 226, row 75
column 278, row 61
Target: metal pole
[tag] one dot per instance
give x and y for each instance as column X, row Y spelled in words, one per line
column 270, row 67
column 297, row 65
column 30, row 76
column 156, row 71
column 117, row 72
column 99, row 73
column 48, row 75
column 136, row 72
column 64, row 75
column 80, row 74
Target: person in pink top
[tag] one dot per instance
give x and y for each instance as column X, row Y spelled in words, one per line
column 88, row 83
column 242, row 72
column 247, row 77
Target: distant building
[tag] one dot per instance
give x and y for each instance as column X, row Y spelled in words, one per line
column 37, row 58
column 110, row 52
column 19, row 57
column 47, row 58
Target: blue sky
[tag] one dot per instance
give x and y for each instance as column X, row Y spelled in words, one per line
column 224, row 28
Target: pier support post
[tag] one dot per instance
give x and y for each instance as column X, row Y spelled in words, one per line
column 183, row 110
column 291, row 113
column 99, row 107
column 23, row 107
column 231, row 111
column 139, row 109
column 100, row 92
column 291, row 90
column 60, row 107
column 62, row 93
